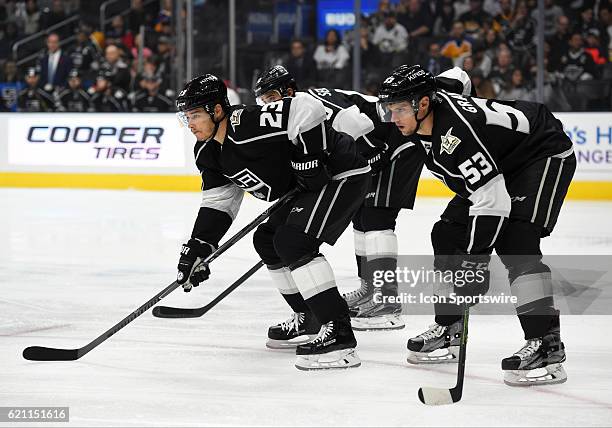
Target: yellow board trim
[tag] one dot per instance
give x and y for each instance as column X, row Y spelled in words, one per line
column 579, row 190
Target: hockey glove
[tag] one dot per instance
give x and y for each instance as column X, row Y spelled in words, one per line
column 191, row 269
column 311, row 173
column 378, row 158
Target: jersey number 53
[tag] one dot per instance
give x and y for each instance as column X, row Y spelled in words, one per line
column 475, row 168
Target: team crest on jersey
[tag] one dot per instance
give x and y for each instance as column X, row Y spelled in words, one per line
column 235, row 118
column 248, row 181
column 449, row 142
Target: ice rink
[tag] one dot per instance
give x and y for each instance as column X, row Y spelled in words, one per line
column 75, row 262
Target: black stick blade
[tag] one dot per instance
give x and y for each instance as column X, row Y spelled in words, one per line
column 169, row 312
column 437, row 396
column 40, row 353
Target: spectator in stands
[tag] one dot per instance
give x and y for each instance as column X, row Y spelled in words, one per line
column 54, row 65
column 484, row 87
column 10, row 85
column 301, row 66
column 164, row 17
column 594, row 48
column 481, row 60
column 146, row 52
column 415, row 17
column 559, row 42
column 33, row 98
column 459, row 45
column 73, row 98
column 9, row 72
column 552, row 12
column 475, row 19
column 605, row 28
column 331, row 57
column 516, row 88
column 467, row 64
column 520, row 37
column 434, row 61
column 502, row 21
column 378, row 17
column 149, row 100
column 117, row 34
column 55, row 15
column 164, row 58
column 501, row 72
column 138, row 16
column 119, row 70
column 8, row 36
column 445, row 17
column 107, row 98
column 85, row 55
column 390, row 38
column 29, row 17
column 575, row 63
column 586, row 22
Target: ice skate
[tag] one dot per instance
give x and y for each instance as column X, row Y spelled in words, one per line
column 360, row 296
column 302, row 327
column 378, row 316
column 333, row 348
column 439, row 344
column 536, row 363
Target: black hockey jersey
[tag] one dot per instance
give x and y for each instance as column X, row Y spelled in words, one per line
column 256, row 155
column 146, row 103
column 35, row 100
column 70, row 100
column 478, row 144
column 261, row 142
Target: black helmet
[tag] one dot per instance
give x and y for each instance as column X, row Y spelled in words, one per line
column 406, row 83
column 204, row 91
column 275, row 78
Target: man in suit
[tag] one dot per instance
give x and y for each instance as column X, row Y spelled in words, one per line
column 54, row 65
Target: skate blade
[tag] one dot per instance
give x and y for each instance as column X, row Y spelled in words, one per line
column 290, row 344
column 439, row 356
column 383, row 322
column 343, row 359
column 549, row 375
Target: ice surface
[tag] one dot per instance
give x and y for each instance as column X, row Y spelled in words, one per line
column 75, row 262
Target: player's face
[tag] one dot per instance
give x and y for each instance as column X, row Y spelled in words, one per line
column 199, row 123
column 402, row 115
column 270, row 97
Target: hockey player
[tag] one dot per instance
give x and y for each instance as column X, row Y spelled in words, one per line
column 510, row 164
column 149, row 100
column 106, row 97
column 396, row 165
column 73, row 98
column 34, row 99
column 266, row 151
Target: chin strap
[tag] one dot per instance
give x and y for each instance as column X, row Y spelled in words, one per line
column 416, row 116
column 214, row 133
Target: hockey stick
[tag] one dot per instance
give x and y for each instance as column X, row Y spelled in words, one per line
column 41, row 353
column 438, row 396
column 171, row 312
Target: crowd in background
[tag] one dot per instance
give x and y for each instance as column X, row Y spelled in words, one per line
column 99, row 71
column 494, row 41
column 104, row 69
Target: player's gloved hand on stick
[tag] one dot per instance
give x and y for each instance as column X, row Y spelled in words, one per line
column 310, row 172
column 378, row 158
column 191, row 270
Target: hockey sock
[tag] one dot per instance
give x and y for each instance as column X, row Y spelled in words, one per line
column 317, row 285
column 282, row 278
